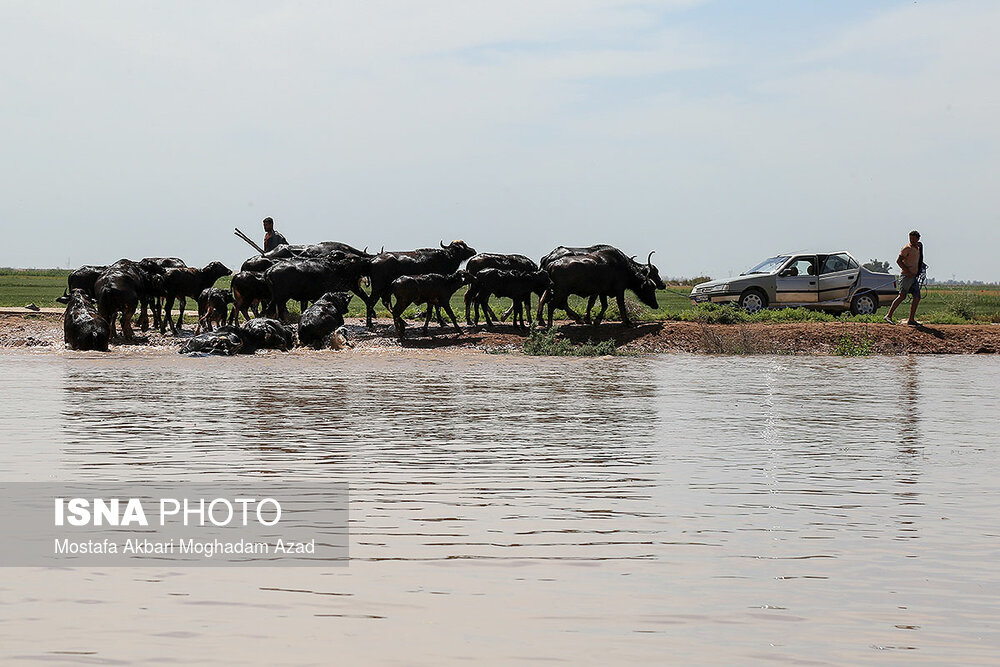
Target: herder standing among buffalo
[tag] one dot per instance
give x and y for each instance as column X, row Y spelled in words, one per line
column 272, row 239
column 311, row 273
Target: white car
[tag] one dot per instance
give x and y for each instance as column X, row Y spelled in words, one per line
column 832, row 281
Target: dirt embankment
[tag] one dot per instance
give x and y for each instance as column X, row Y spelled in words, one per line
column 44, row 330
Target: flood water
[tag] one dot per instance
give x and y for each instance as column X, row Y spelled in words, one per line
column 667, row 509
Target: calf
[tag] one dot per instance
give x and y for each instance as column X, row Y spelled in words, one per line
column 320, row 322
column 433, row 289
column 83, row 327
column 213, row 306
column 186, row 282
column 515, row 285
column 250, row 290
column 492, row 260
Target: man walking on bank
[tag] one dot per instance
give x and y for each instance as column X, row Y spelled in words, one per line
column 272, row 239
column 911, row 262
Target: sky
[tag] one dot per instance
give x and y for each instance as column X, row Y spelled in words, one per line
column 716, row 133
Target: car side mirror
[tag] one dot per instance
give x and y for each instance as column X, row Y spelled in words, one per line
column 785, row 273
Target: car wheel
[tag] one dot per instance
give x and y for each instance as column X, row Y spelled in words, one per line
column 753, row 300
column 864, row 304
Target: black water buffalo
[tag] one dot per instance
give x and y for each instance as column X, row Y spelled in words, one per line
column 492, row 260
column 433, row 289
column 250, row 290
column 122, row 288
column 225, row 341
column 598, row 275
column 320, row 321
column 83, row 327
column 262, row 333
column 179, row 284
column 157, row 296
column 82, row 278
column 324, row 248
column 261, row 263
column 515, row 285
column 213, row 307
column 388, row 266
column 306, row 280
column 570, row 251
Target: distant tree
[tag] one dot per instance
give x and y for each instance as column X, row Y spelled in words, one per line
column 877, row 266
column 689, row 281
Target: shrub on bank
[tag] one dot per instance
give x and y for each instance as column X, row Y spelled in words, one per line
column 549, row 344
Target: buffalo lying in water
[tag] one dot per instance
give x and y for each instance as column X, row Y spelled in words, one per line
column 319, row 323
column 224, row 341
column 260, row 333
column 83, row 327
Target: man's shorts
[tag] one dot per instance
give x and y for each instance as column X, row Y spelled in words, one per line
column 910, row 285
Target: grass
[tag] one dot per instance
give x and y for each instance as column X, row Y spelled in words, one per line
column 849, row 345
column 548, row 343
column 940, row 305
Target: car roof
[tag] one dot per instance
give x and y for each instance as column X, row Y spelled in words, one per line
column 812, row 252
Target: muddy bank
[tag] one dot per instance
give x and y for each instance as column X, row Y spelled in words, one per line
column 44, row 330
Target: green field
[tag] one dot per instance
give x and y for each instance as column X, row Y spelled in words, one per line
column 941, row 304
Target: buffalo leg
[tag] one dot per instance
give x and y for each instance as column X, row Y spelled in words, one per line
column 127, row 314
column 180, row 313
column 427, row 317
column 546, row 296
column 527, row 309
column 604, row 307
column 590, row 305
column 397, row 317
column 569, row 311
column 621, row 309
column 451, row 314
column 168, row 317
column 143, row 320
column 486, row 313
column 469, row 299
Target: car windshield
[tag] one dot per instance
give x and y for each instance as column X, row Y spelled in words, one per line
column 768, row 265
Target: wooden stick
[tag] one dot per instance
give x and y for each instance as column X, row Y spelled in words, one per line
column 248, row 240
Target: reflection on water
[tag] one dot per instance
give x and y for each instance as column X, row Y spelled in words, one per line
column 716, row 510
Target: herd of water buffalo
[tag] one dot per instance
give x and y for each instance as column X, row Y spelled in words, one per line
column 327, row 275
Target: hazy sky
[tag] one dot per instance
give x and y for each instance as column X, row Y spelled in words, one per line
column 716, row 133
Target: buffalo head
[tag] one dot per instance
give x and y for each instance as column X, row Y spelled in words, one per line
column 217, row 269
column 459, row 250
column 652, row 273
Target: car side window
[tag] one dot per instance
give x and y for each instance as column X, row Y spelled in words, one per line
column 801, row 266
column 835, row 263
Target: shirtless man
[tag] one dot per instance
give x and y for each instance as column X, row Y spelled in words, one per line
column 909, row 260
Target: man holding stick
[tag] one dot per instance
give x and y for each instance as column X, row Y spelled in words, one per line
column 272, row 239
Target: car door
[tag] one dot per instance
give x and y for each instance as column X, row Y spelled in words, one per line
column 796, row 281
column 837, row 275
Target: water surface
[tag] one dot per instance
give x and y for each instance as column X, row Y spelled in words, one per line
column 685, row 509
